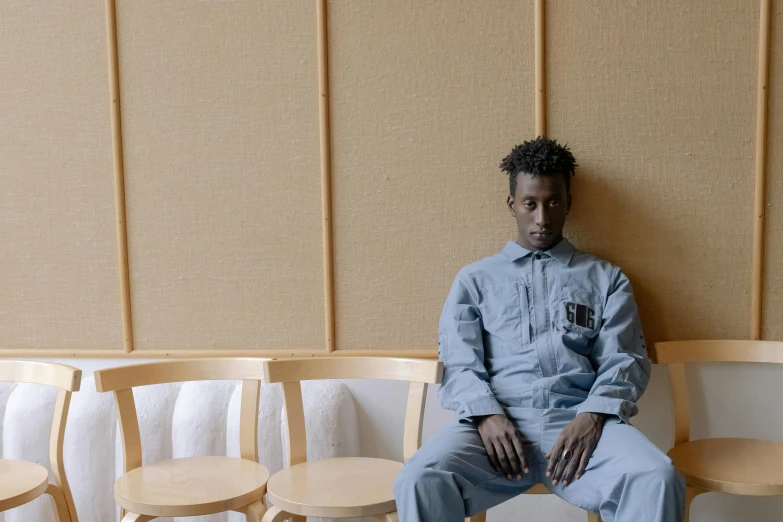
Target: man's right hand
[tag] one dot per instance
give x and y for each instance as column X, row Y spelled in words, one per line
column 504, row 445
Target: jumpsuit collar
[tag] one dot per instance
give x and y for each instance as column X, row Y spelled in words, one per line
column 563, row 251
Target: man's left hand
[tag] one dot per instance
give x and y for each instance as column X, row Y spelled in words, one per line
column 579, row 438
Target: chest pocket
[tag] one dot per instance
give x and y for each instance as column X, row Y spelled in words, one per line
column 579, row 312
column 506, row 317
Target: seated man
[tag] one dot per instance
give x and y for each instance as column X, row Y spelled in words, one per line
column 544, row 361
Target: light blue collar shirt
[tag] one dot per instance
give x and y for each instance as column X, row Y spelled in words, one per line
column 555, row 329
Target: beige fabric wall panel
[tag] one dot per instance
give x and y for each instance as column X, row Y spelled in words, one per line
column 658, row 104
column 772, row 323
column 427, row 98
column 220, row 124
column 59, row 287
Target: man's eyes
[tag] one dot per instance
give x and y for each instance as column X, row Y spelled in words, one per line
column 532, row 204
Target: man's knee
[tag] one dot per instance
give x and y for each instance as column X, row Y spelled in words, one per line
column 416, row 477
column 665, row 474
column 671, row 478
column 410, row 477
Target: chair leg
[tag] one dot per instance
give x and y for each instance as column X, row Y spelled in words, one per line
column 254, row 512
column 592, row 517
column 135, row 517
column 480, row 517
column 690, row 493
column 388, row 517
column 60, row 505
column 275, row 514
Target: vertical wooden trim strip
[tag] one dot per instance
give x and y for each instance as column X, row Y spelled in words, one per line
column 119, row 173
column 540, row 22
column 761, row 162
column 326, row 173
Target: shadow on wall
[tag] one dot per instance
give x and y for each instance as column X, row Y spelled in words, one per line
column 614, row 226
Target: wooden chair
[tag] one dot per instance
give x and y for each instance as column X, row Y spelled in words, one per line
column 729, row 465
column 538, row 489
column 342, row 487
column 196, row 485
column 22, row 481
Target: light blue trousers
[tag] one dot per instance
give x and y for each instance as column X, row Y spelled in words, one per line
column 628, row 479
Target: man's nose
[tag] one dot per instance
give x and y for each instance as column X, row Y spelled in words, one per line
column 542, row 217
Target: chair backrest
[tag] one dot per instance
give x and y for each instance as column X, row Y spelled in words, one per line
column 290, row 372
column 676, row 354
column 67, row 379
column 122, row 379
column 64, row 377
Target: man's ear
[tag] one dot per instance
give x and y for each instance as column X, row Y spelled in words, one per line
column 510, row 203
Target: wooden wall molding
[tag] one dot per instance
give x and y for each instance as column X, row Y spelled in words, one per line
column 183, row 354
column 761, row 162
column 540, row 35
column 326, row 173
column 119, row 174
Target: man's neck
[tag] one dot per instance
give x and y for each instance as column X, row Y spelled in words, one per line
column 521, row 242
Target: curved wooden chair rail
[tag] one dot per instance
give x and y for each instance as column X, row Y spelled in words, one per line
column 347, row 487
column 182, row 370
column 197, row 485
column 727, row 465
column 22, row 481
column 379, row 368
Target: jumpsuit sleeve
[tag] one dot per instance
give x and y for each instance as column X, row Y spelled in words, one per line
column 465, row 386
column 619, row 356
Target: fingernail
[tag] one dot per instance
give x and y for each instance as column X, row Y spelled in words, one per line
column 519, row 477
column 548, row 473
column 527, row 470
column 508, row 477
column 565, row 483
column 554, row 482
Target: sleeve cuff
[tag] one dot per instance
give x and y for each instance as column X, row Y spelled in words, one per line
column 479, row 406
column 609, row 406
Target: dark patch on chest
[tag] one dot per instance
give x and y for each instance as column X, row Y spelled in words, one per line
column 580, row 315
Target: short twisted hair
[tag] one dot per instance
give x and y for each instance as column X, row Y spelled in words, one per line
column 541, row 157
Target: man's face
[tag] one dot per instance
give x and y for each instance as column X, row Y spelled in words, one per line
column 540, row 206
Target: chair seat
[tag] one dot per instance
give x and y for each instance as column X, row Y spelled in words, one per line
column 21, row 482
column 191, row 486
column 345, row 487
column 739, row 466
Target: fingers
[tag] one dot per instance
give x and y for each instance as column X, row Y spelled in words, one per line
column 493, row 458
column 520, row 449
column 505, row 463
column 554, row 456
column 572, row 465
column 513, row 458
column 560, row 466
column 583, row 461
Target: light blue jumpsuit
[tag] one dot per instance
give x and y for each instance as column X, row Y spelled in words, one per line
column 541, row 337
